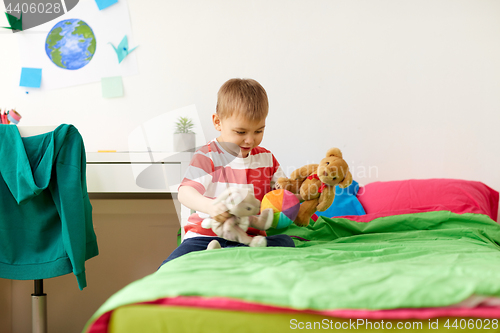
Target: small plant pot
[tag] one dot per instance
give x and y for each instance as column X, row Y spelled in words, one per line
column 184, row 142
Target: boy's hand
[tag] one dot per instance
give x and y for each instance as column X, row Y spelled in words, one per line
column 219, row 212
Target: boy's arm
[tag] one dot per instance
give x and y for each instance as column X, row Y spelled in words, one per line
column 191, row 198
column 278, row 174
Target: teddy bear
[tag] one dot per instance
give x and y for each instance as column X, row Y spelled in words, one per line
column 316, row 184
column 243, row 207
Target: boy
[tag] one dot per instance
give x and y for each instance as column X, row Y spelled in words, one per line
column 234, row 159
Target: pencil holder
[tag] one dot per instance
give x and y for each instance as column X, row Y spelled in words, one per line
column 14, row 117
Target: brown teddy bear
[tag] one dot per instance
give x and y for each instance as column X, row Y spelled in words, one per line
column 316, row 184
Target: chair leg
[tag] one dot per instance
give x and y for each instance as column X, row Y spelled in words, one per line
column 39, row 309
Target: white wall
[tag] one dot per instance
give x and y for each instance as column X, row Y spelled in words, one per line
column 407, row 89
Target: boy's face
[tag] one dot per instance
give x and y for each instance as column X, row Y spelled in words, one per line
column 239, row 135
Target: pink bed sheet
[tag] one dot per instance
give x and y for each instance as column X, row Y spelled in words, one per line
column 222, row 303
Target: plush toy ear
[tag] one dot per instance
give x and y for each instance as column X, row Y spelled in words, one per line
column 236, row 196
column 347, row 180
column 334, row 152
column 233, row 200
column 223, row 196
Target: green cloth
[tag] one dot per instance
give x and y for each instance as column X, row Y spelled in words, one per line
column 46, row 225
column 431, row 259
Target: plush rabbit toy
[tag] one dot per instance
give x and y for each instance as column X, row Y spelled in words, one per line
column 243, row 207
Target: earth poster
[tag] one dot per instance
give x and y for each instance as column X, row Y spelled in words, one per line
column 70, row 44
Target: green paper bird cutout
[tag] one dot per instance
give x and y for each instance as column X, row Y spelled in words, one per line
column 15, row 23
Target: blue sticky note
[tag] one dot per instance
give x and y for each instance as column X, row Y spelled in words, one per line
column 31, row 77
column 102, row 4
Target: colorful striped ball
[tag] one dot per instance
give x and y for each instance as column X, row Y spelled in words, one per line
column 285, row 206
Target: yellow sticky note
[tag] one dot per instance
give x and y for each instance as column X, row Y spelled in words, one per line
column 112, row 87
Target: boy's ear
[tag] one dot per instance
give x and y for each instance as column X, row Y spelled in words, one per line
column 216, row 121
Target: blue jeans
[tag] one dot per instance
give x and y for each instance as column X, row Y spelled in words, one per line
column 201, row 243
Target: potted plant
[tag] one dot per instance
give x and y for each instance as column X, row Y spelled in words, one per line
column 184, row 137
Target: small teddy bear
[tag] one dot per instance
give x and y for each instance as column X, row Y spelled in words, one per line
column 243, row 206
column 316, row 184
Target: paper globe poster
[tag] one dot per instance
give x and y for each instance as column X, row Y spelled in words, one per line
column 75, row 48
column 70, row 44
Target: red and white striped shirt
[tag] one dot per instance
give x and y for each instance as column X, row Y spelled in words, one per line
column 213, row 169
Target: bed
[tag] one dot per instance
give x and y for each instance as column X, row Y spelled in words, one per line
column 419, row 255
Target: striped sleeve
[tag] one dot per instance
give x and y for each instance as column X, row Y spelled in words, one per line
column 199, row 172
column 278, row 172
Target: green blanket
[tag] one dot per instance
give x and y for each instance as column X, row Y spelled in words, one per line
column 428, row 259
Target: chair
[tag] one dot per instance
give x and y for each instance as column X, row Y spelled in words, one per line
column 61, row 140
column 38, row 298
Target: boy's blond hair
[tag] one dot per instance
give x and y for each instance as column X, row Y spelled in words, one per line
column 246, row 97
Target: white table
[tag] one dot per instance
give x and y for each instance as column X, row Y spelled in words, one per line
column 138, row 173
